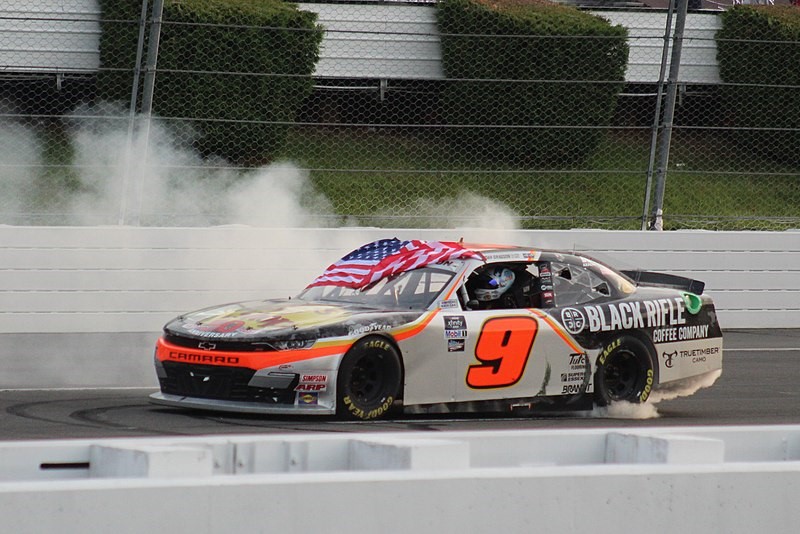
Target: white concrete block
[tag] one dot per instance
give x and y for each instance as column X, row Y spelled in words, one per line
column 623, row 448
column 408, row 454
column 150, row 461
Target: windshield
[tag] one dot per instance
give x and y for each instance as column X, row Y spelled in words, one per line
column 415, row 289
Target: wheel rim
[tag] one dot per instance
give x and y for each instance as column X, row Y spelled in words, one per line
column 621, row 376
column 367, row 380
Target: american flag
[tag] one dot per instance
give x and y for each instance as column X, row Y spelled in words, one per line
column 387, row 257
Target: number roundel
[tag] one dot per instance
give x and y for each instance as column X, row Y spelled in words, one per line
column 503, row 348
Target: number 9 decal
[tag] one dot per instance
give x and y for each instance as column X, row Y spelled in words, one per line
column 503, row 348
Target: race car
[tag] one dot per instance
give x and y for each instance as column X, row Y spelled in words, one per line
column 421, row 327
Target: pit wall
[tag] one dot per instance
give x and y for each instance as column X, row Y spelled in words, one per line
column 82, row 306
column 687, row 480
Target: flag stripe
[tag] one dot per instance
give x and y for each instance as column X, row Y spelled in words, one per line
column 387, row 257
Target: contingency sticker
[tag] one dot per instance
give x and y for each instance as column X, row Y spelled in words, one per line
column 455, row 327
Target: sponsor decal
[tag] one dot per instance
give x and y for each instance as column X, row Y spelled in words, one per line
column 314, row 378
column 228, row 322
column 683, row 333
column 455, row 322
column 215, row 335
column 455, row 345
column 573, row 320
column 626, row 315
column 455, row 327
column 311, row 387
column 367, row 328
column 310, row 382
column 308, row 398
column 534, row 255
column 455, row 334
column 573, row 377
column 698, row 355
column 202, row 358
column 546, row 281
column 693, row 302
column 577, row 361
column 451, row 304
column 501, row 256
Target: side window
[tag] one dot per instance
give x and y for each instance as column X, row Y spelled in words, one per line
column 573, row 285
column 512, row 285
column 428, row 285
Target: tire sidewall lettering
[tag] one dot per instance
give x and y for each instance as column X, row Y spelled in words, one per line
column 372, row 414
column 387, row 384
column 611, row 347
column 646, row 375
column 648, row 386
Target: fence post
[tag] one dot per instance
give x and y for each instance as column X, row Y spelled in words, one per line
column 657, row 114
column 123, row 203
column 134, row 217
column 656, row 220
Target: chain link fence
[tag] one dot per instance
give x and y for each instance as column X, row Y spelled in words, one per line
column 396, row 114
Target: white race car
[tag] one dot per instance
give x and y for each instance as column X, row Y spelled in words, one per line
column 433, row 327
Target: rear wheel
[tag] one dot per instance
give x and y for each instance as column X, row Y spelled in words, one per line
column 369, row 380
column 625, row 372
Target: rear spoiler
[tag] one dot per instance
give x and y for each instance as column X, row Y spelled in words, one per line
column 652, row 279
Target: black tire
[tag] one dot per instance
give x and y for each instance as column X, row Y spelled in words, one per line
column 625, row 372
column 369, row 380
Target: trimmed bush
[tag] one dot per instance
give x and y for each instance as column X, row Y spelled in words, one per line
column 550, row 71
column 240, row 69
column 758, row 52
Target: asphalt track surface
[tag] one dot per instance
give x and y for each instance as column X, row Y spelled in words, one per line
column 760, row 384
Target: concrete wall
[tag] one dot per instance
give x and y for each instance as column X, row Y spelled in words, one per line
column 401, row 41
column 84, row 305
column 687, row 480
column 50, row 36
column 394, row 41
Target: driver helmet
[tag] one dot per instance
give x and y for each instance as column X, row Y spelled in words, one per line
column 493, row 283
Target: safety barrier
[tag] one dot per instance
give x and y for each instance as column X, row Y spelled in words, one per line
column 82, row 306
column 717, row 479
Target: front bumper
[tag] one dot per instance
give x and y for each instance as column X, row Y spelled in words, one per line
column 221, row 405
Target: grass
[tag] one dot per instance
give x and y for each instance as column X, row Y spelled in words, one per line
column 416, row 179
column 708, row 186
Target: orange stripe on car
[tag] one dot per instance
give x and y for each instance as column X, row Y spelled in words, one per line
column 166, row 351
column 558, row 330
column 414, row 329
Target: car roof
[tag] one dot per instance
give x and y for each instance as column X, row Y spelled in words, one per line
column 494, row 253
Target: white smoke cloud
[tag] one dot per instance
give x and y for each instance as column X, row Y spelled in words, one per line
column 20, row 157
column 464, row 210
column 666, row 392
column 152, row 177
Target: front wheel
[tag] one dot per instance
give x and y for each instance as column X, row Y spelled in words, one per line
column 625, row 372
column 369, row 380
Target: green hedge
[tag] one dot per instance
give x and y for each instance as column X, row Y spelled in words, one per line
column 271, row 45
column 546, row 44
column 758, row 46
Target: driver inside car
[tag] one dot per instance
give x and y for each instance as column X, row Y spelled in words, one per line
column 502, row 287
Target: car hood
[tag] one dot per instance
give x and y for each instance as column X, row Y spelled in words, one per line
column 285, row 320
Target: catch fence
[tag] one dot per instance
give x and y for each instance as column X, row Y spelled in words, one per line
column 391, row 114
